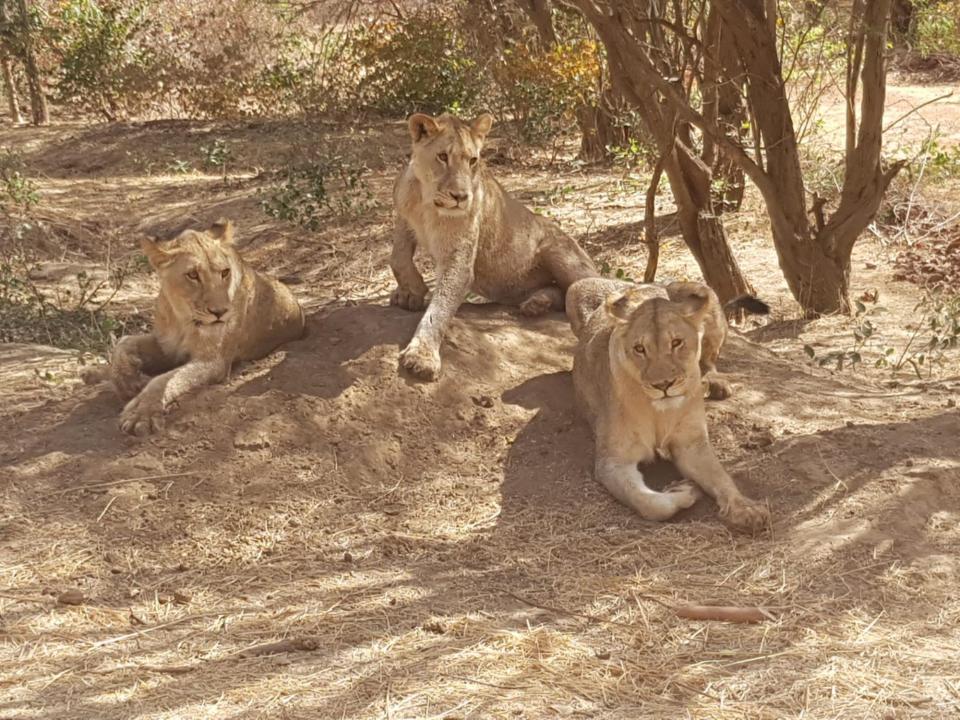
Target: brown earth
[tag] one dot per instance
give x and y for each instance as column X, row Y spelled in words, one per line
column 441, row 551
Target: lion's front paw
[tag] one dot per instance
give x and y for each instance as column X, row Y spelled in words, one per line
column 746, row 514
column 717, row 388
column 683, row 493
column 421, row 360
column 142, row 416
column 408, row 300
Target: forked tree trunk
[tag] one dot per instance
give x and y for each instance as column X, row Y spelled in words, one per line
column 815, row 259
column 689, row 177
column 38, row 100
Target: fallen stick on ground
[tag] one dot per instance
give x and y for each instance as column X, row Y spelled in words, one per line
column 688, row 612
column 289, row 645
column 723, row 613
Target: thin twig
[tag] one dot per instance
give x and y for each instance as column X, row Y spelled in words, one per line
column 94, row 486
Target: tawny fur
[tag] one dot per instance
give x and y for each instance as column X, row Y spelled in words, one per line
column 481, row 240
column 637, row 378
column 585, row 297
column 201, row 276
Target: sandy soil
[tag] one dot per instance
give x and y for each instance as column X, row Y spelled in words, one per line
column 441, row 551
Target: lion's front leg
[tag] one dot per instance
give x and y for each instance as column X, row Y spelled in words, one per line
column 411, row 290
column 623, row 479
column 421, row 357
column 694, row 457
column 144, row 414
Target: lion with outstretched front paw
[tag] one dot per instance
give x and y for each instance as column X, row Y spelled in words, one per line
column 213, row 310
column 637, row 378
column 481, row 239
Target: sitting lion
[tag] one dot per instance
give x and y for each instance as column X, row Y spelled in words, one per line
column 480, row 238
column 213, row 310
column 637, row 377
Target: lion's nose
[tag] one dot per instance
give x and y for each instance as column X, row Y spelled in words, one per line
column 460, row 196
column 218, row 312
column 665, row 385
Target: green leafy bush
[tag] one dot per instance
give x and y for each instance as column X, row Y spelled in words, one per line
column 421, row 64
column 309, row 194
column 106, row 64
column 542, row 89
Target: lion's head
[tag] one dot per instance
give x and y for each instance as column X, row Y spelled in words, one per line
column 656, row 342
column 446, row 159
column 199, row 273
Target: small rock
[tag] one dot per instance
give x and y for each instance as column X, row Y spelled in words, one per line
column 951, row 402
column 182, row 597
column 347, row 557
column 71, row 597
column 484, row 401
column 602, row 654
column 165, row 598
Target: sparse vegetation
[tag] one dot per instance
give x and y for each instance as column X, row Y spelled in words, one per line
column 308, row 194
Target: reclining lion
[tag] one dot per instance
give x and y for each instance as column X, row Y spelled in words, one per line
column 637, row 377
column 449, row 204
column 213, row 310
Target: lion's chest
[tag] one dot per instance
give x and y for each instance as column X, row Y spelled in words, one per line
column 638, row 431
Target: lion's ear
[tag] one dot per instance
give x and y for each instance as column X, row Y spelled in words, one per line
column 481, row 125
column 158, row 256
column 422, row 126
column 222, row 230
column 621, row 307
column 695, row 304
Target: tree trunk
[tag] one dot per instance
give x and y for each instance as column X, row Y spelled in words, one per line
column 598, row 129
column 689, row 177
column 6, row 67
column 10, row 87
column 38, row 100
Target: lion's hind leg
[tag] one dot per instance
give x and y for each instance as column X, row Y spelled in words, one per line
column 134, row 360
column 624, row 481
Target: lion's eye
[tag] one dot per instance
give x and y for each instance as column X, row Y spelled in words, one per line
column 442, row 157
column 193, row 275
column 225, row 273
column 677, row 342
column 639, row 349
column 474, row 161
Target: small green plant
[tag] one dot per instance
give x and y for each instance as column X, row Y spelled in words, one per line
column 216, row 155
column 309, row 194
column 74, row 318
column 18, row 193
column 179, row 167
column 936, row 333
column 863, row 331
column 618, row 273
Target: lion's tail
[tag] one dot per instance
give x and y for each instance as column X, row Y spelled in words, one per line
column 749, row 304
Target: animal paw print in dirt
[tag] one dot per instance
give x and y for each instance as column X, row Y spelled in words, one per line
column 142, row 415
column 421, row 360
